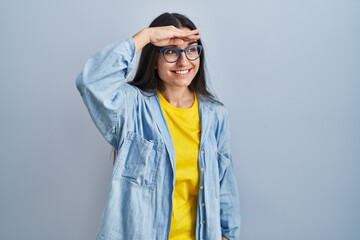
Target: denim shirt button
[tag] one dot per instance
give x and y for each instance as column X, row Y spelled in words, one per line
column 201, row 187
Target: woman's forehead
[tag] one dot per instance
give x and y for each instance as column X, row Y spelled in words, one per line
column 184, row 44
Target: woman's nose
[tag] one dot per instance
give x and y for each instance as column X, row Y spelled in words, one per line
column 182, row 60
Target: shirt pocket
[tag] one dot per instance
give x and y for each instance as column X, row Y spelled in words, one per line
column 139, row 161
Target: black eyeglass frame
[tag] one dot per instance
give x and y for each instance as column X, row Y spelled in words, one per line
column 180, row 51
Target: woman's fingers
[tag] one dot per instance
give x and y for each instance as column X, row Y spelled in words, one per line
column 170, row 35
column 186, row 33
column 163, row 36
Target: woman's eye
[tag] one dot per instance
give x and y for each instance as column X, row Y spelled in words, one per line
column 171, row 52
column 192, row 49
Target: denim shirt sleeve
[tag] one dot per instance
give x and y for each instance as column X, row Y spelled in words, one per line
column 103, row 88
column 229, row 199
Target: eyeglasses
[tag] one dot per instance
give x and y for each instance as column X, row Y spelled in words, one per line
column 173, row 54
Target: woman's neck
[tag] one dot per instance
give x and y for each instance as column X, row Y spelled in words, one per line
column 180, row 98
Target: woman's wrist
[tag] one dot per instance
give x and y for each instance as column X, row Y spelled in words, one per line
column 141, row 39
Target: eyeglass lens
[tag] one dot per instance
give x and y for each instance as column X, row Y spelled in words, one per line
column 173, row 54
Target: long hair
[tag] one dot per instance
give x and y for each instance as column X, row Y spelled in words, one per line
column 147, row 78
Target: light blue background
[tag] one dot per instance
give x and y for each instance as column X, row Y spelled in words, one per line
column 288, row 72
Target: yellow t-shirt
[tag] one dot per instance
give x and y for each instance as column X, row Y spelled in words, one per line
column 184, row 126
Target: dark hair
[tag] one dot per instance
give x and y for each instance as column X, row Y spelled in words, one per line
column 147, row 78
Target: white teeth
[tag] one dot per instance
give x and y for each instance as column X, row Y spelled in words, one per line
column 182, row 72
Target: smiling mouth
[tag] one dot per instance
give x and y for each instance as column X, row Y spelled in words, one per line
column 182, row 72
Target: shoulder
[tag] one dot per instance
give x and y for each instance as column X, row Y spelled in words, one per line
column 216, row 107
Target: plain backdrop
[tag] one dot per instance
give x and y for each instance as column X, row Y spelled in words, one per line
column 288, row 72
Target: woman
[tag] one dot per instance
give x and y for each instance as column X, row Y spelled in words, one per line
column 173, row 177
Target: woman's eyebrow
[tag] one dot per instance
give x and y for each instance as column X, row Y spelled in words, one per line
column 195, row 42
column 175, row 46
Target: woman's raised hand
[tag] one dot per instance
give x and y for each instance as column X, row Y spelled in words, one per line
column 170, row 35
column 163, row 36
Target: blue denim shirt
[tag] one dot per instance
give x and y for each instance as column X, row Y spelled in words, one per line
column 140, row 195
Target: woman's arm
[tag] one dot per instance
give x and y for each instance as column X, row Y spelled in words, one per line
column 104, row 90
column 102, row 82
column 229, row 199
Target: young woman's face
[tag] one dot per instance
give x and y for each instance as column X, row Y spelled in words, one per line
column 179, row 73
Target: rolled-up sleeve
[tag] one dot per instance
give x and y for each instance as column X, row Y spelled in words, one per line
column 103, row 88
